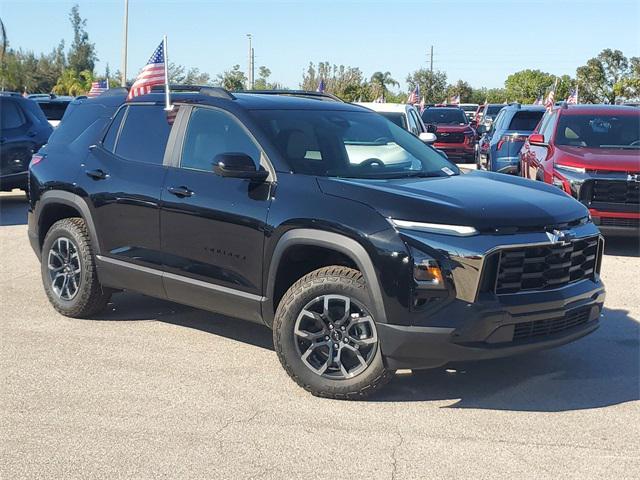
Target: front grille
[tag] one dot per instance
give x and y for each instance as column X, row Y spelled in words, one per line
column 542, row 328
column 620, row 222
column 616, row 191
column 450, row 137
column 546, row 266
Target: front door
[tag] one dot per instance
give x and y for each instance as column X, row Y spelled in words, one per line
column 213, row 227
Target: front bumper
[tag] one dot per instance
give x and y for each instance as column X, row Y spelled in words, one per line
column 497, row 326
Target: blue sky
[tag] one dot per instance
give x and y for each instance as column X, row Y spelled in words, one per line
column 479, row 41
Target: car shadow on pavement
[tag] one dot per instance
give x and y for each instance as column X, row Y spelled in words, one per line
column 622, row 246
column 127, row 307
column 13, row 209
column 599, row 370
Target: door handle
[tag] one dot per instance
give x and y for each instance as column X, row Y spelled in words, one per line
column 181, row 192
column 97, row 174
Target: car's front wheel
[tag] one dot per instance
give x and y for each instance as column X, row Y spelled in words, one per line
column 326, row 337
column 69, row 272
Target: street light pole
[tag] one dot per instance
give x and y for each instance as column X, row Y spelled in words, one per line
column 123, row 68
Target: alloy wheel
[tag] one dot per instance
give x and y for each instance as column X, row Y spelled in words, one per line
column 335, row 336
column 64, row 268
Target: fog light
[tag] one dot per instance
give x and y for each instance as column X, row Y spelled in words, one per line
column 428, row 274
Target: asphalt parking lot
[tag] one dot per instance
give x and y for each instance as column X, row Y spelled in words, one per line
column 152, row 389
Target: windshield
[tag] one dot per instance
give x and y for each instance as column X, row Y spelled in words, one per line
column 397, row 118
column 349, row 144
column 599, row 131
column 469, row 108
column 444, row 116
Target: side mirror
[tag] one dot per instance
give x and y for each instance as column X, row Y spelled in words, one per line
column 427, row 137
column 237, row 165
column 431, row 128
column 537, row 139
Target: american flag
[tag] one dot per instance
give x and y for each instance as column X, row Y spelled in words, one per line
column 414, row 97
column 422, row 104
column 152, row 74
column 321, row 86
column 380, row 99
column 538, row 100
column 572, row 99
column 97, row 88
column 455, row 100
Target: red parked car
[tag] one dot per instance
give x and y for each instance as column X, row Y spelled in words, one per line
column 455, row 135
column 592, row 152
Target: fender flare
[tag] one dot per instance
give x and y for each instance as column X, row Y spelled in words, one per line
column 62, row 197
column 334, row 241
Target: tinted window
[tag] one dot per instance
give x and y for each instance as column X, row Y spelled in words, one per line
column 413, row 126
column 109, row 141
column 11, row 115
column 414, row 115
column 53, row 110
column 448, row 116
column 397, row 118
column 351, row 144
column 604, row 130
column 547, row 128
column 144, row 135
column 213, row 132
column 525, row 120
column 493, row 109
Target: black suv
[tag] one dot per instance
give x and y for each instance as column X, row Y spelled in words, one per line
column 23, row 130
column 360, row 246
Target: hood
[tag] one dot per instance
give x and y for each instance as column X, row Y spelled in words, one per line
column 614, row 159
column 452, row 128
column 483, row 200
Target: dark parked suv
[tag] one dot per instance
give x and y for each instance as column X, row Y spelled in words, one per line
column 363, row 249
column 23, row 130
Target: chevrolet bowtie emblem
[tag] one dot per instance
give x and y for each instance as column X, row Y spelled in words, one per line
column 559, row 236
column 633, row 177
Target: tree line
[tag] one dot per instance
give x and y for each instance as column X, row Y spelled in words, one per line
column 605, row 78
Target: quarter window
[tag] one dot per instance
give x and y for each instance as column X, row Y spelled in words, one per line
column 12, row 116
column 144, row 135
column 109, row 141
column 211, row 133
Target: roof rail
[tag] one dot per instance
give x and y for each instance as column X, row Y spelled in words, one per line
column 296, row 93
column 202, row 89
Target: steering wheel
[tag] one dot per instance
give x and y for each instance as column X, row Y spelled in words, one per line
column 633, row 144
column 369, row 162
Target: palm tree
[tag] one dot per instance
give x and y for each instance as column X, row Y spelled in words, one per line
column 73, row 83
column 380, row 81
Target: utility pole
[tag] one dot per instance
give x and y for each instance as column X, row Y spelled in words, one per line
column 123, row 67
column 250, row 69
column 431, row 60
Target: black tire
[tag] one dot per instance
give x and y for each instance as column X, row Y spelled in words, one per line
column 333, row 280
column 90, row 297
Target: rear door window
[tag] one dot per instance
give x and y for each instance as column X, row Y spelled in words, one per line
column 144, row 135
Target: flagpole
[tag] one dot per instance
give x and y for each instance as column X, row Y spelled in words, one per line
column 123, row 67
column 168, row 107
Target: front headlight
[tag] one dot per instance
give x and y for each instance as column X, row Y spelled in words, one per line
column 568, row 168
column 457, row 230
column 426, row 271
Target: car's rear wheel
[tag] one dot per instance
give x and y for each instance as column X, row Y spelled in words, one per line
column 68, row 270
column 326, row 337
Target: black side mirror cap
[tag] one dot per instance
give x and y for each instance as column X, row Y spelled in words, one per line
column 238, row 165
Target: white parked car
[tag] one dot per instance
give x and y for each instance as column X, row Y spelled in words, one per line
column 403, row 115
column 469, row 110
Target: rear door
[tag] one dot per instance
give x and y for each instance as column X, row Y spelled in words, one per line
column 123, row 178
column 213, row 228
